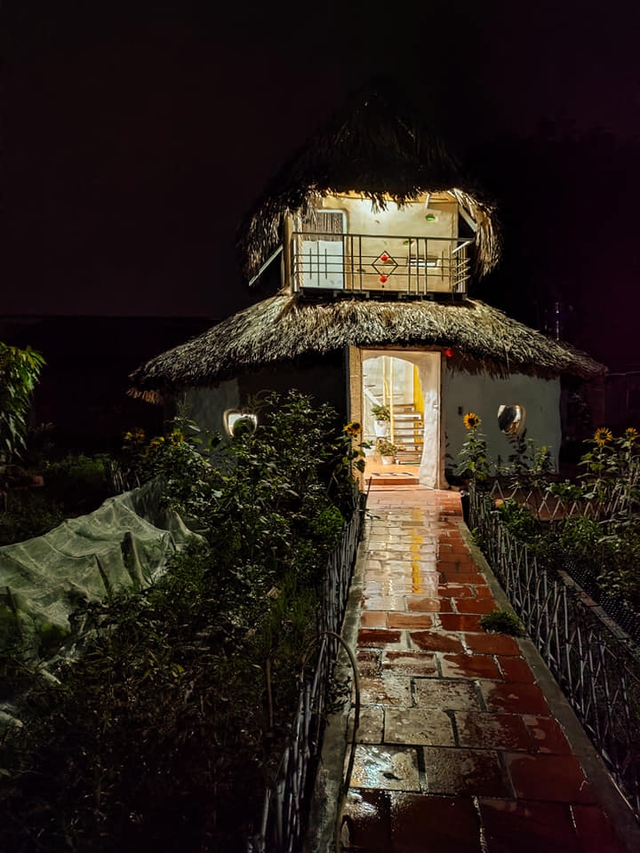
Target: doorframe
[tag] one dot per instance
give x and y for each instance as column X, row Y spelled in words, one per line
column 429, row 364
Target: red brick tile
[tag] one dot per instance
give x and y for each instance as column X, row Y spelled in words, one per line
column 476, row 580
column 546, row 735
column 558, row 778
column 474, row 605
column 446, row 694
column 377, row 637
column 594, row 830
column 369, row 662
column 454, row 557
column 483, row 591
column 528, row 827
column 410, row 663
column 410, row 620
column 460, row 622
column 475, row 772
column 423, row 603
column 492, row 644
column 518, row 698
column 374, row 619
column 436, row 641
column 491, row 731
column 468, row 666
column 455, row 590
column 449, row 824
column 366, row 823
column 515, row 669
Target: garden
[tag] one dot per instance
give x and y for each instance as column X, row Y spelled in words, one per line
column 589, row 527
column 162, row 723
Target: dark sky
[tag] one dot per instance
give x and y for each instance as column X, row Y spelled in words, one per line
column 137, row 134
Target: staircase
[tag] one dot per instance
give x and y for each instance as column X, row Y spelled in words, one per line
column 408, row 434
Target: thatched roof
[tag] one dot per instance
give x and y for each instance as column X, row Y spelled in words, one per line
column 284, row 329
column 376, row 146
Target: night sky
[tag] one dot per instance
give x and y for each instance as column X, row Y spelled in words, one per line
column 136, row 135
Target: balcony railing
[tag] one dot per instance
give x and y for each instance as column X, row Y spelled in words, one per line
column 364, row 263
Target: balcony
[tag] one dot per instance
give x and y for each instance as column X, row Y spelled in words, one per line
column 362, row 263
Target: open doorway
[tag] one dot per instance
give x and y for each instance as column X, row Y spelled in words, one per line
column 407, row 385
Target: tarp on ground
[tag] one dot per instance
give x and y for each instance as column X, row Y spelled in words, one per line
column 124, row 543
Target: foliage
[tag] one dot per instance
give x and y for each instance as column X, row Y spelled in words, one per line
column 19, row 372
column 380, row 412
column 28, row 513
column 474, row 463
column 385, row 447
column 191, row 681
column 502, row 622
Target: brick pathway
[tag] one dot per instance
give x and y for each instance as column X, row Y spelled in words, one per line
column 457, row 750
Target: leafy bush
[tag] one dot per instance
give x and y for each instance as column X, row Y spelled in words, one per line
column 502, row 622
column 164, row 731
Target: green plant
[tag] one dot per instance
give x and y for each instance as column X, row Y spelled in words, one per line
column 502, row 622
column 474, row 463
column 386, row 448
column 19, row 372
column 380, row 412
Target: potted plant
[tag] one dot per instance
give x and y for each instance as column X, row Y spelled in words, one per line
column 381, row 420
column 387, row 451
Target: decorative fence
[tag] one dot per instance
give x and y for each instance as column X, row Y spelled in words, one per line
column 594, row 662
column 287, row 798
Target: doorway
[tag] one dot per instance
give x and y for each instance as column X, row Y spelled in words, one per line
column 408, row 384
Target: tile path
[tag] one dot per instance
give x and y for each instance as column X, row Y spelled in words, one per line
column 457, row 748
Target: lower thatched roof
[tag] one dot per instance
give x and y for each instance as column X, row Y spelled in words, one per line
column 283, row 329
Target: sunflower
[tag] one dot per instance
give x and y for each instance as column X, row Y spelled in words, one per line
column 471, row 420
column 352, row 428
column 602, row 435
column 631, row 434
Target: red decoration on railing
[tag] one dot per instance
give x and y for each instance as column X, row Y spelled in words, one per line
column 448, row 352
column 383, row 278
column 384, row 257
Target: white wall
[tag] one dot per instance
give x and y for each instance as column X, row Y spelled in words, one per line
column 206, row 406
column 483, row 395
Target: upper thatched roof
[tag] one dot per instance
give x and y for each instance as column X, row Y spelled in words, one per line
column 283, row 328
column 376, row 146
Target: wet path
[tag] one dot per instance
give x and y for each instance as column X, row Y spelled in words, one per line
column 457, row 748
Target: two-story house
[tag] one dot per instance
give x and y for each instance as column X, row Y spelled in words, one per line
column 368, row 241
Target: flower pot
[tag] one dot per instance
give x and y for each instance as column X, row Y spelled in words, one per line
column 381, row 428
column 387, row 460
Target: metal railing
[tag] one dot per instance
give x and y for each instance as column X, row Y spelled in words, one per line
column 595, row 664
column 387, row 263
column 288, row 797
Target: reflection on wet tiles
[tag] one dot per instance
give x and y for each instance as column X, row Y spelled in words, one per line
column 369, row 662
column 386, row 690
column 391, row 768
column 548, row 777
column 366, row 823
column 370, row 726
column 447, row 694
column 464, row 771
column 436, row 641
column 496, row 731
column 514, row 698
column 468, row 666
column 419, row 726
column 529, row 826
column 410, row 663
column 428, row 824
column 546, row 735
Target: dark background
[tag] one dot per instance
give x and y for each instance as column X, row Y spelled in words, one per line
column 137, row 134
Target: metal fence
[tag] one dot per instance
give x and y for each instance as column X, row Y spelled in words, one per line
column 595, row 664
column 287, row 799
